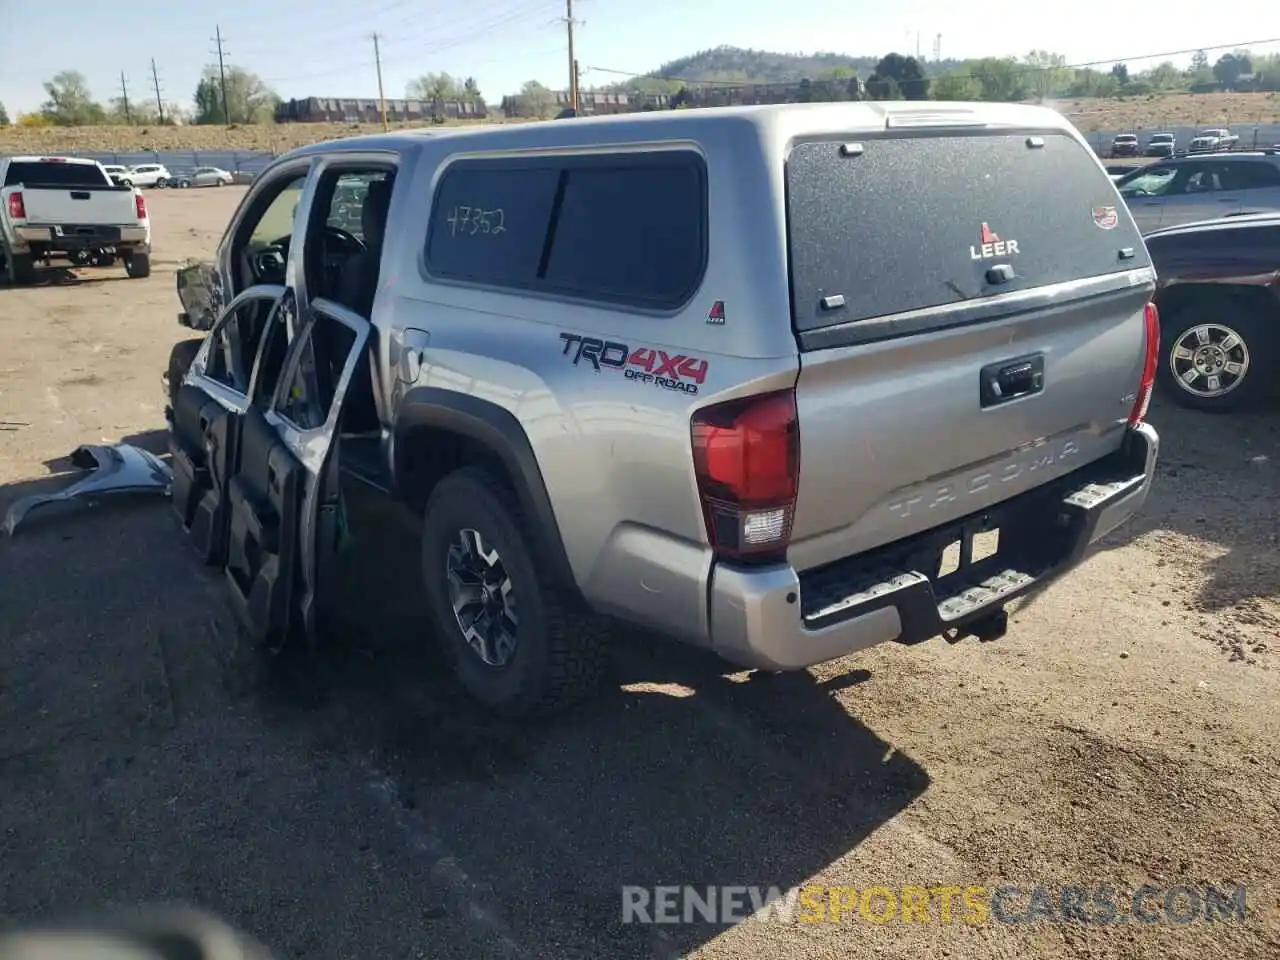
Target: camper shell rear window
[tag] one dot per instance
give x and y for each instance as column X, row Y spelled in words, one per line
column 885, row 225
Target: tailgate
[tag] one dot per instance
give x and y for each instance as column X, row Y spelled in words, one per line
column 970, row 313
column 79, row 205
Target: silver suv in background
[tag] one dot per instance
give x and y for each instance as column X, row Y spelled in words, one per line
column 725, row 374
column 1186, row 189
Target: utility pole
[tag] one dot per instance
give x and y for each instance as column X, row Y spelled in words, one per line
column 382, row 100
column 577, row 82
column 222, row 72
column 573, row 71
column 155, row 82
column 124, row 95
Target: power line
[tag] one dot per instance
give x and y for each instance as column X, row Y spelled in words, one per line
column 382, row 97
column 1017, row 68
column 124, row 96
column 222, row 72
column 155, row 82
column 573, row 60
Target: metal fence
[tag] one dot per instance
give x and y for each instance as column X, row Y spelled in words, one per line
column 1252, row 136
column 182, row 161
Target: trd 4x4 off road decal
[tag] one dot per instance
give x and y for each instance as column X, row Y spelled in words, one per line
column 670, row 371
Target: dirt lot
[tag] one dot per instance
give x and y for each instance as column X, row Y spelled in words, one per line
column 1153, row 112
column 1125, row 731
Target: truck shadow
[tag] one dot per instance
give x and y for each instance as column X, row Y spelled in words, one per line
column 68, row 277
column 684, row 772
column 681, row 773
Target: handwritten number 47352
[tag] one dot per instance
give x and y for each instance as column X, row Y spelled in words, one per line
column 469, row 221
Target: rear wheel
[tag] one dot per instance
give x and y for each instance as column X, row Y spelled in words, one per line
column 512, row 643
column 161, row 183
column 138, row 265
column 1218, row 355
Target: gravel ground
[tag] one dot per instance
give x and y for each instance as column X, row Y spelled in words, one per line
column 354, row 806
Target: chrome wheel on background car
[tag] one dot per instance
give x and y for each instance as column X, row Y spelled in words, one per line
column 1209, row 360
column 484, row 603
column 1213, row 349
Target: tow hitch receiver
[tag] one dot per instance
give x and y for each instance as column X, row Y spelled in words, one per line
column 992, row 626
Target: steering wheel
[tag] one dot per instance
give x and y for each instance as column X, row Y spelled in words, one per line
column 347, row 243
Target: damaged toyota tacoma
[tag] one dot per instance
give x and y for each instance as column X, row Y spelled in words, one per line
column 744, row 377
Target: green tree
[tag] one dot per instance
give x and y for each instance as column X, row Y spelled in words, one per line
column 1164, row 77
column 1199, row 62
column 4, row 116
column 1231, row 67
column 249, row 100
column 70, row 103
column 538, row 99
column 1003, row 79
column 1121, row 72
column 956, row 85
column 898, row 75
column 1047, row 73
column 433, row 87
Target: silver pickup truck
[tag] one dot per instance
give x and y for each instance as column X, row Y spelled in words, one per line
column 783, row 382
column 69, row 208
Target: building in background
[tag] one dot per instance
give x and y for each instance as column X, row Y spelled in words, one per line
column 346, row 110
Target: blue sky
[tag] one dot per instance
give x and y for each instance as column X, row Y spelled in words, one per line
column 325, row 51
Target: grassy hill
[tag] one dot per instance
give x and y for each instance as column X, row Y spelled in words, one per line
column 736, row 65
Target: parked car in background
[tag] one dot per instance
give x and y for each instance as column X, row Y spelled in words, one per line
column 203, row 177
column 1161, row 145
column 67, row 208
column 147, row 175
column 115, row 172
column 1124, row 145
column 1218, row 294
column 1213, row 139
column 1186, row 189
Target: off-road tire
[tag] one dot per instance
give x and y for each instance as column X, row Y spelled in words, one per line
column 560, row 654
column 138, row 265
column 20, row 268
column 1260, row 333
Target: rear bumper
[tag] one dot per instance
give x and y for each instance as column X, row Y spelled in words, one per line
column 773, row 618
column 63, row 237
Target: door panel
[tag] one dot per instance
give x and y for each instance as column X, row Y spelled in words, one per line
column 203, row 452
column 265, row 503
column 207, row 410
column 286, row 514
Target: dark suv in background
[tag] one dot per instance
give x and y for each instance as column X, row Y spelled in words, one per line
column 1219, row 300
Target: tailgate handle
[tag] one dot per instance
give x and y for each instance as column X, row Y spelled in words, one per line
column 1010, row 379
column 79, row 194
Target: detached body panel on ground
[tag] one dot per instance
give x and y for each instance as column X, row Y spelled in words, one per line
column 676, row 368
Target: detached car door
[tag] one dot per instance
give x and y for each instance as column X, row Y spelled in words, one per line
column 284, row 498
column 208, row 409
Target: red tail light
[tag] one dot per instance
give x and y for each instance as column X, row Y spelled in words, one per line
column 1151, row 320
column 140, row 204
column 17, row 209
column 746, row 454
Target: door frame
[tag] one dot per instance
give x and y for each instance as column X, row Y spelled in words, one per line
column 315, row 448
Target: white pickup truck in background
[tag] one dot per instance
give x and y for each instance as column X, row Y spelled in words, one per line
column 68, row 208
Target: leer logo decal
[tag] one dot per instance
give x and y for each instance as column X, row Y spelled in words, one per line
column 1106, row 217
column 642, row 364
column 990, row 245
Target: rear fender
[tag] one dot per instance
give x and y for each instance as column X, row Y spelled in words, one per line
column 501, row 434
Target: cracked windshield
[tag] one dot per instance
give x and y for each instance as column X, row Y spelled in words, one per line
column 563, row 479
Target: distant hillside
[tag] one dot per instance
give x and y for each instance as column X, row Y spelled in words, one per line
column 735, row 65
